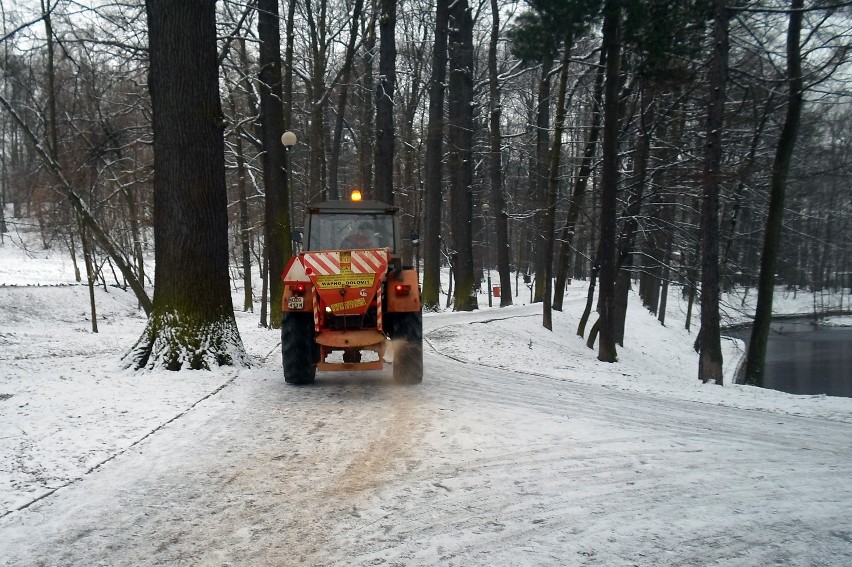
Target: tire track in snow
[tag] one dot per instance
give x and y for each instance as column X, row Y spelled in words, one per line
column 600, row 489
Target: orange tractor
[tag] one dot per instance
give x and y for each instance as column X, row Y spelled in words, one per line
column 347, row 293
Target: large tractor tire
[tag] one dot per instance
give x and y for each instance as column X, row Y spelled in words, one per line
column 297, row 348
column 407, row 348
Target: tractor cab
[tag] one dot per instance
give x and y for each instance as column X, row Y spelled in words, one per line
column 342, row 225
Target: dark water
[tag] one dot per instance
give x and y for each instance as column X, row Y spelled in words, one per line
column 805, row 359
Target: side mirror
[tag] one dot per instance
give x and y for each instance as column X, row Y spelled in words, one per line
column 415, row 238
column 297, row 236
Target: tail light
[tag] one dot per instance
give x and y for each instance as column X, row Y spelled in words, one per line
column 402, row 289
column 298, row 288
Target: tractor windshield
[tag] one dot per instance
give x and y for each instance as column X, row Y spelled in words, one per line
column 336, row 231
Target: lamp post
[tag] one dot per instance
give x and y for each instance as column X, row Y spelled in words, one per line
column 486, row 208
column 288, row 140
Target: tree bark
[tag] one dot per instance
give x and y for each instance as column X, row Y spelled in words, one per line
column 245, row 229
column 460, row 138
column 433, row 167
column 552, row 185
column 345, row 77
column 316, row 98
column 367, row 111
column 580, row 184
column 590, row 295
column 756, row 356
column 279, row 247
column 709, row 341
column 538, row 177
column 609, row 181
column 384, row 103
column 90, row 273
column 192, row 324
column 496, row 167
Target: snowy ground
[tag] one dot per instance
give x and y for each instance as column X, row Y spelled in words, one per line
column 519, row 448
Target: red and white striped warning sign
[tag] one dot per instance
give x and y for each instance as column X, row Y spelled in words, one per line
column 322, row 263
column 369, row 261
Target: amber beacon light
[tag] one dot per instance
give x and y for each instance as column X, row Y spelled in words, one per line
column 355, row 195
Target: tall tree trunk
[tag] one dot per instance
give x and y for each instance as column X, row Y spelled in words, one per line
column 581, row 182
column 52, row 139
column 409, row 194
column 367, row 110
column 264, row 284
column 538, row 177
column 692, row 262
column 288, row 71
column 433, row 167
column 135, row 231
column 609, row 181
column 192, row 324
column 278, row 233
column 756, row 357
column 245, row 229
column 4, row 171
column 460, row 138
column 345, row 77
column 384, row 102
column 709, row 340
column 496, row 166
column 287, row 83
column 90, row 273
column 528, row 227
column 317, row 99
column 553, row 184
column 249, row 97
column 4, row 177
column 452, row 279
column 664, row 297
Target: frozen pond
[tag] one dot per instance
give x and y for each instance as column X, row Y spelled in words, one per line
column 802, row 358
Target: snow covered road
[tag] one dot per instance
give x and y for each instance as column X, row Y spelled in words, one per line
column 476, row 466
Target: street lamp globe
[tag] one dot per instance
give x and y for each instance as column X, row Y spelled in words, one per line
column 288, row 138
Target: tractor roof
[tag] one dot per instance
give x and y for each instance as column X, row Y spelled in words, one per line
column 351, row 206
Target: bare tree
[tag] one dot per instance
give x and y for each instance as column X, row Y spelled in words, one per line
column 385, row 102
column 709, row 341
column 609, row 181
column 756, row 354
column 192, row 325
column 346, row 74
column 495, row 162
column 433, row 167
column 460, row 141
column 278, row 232
column 578, row 193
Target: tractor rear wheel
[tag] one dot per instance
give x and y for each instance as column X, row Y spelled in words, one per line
column 407, row 348
column 297, row 348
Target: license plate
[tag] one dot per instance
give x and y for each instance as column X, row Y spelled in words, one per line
column 295, row 303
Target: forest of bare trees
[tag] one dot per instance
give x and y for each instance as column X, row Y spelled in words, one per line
column 674, row 147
